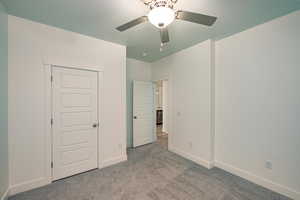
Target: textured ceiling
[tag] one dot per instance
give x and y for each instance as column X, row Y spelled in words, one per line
column 98, row 18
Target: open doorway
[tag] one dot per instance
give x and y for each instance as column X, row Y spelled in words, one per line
column 161, row 106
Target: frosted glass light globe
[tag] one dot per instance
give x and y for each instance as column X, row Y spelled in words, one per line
column 161, row 17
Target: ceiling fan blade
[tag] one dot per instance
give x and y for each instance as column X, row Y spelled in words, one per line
column 196, row 18
column 164, row 35
column 132, row 23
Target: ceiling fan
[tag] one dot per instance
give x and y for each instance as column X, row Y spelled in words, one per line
column 162, row 13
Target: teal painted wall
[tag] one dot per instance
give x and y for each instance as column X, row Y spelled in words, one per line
column 3, row 103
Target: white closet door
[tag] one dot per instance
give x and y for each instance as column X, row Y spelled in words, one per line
column 143, row 113
column 75, row 121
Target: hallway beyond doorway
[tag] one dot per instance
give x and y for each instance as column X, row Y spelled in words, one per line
column 161, row 112
column 162, row 137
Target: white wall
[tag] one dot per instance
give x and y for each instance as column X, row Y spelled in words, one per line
column 165, row 105
column 257, row 99
column 140, row 71
column 244, row 91
column 3, row 104
column 30, row 46
column 189, row 75
column 258, row 104
column 159, row 95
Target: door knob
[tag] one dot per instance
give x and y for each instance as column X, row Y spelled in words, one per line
column 135, row 117
column 95, row 125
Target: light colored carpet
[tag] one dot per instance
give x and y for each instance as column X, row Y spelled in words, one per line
column 152, row 173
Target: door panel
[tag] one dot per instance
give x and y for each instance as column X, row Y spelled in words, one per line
column 76, row 100
column 75, row 111
column 143, row 112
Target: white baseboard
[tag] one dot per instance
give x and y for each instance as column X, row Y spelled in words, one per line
column 193, row 158
column 5, row 195
column 29, row 185
column 113, row 161
column 259, row 180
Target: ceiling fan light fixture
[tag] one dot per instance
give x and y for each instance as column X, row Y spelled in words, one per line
column 161, row 17
column 162, row 14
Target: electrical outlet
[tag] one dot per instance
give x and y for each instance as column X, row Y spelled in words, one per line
column 190, row 145
column 269, row 165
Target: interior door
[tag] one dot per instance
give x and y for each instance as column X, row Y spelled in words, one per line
column 75, row 121
column 143, row 113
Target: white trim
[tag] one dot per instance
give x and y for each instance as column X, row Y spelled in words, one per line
column 154, row 112
column 114, row 161
column 5, row 195
column 259, row 180
column 170, row 110
column 163, row 78
column 100, row 117
column 193, row 158
column 123, row 102
column 29, row 185
column 212, row 100
column 91, row 68
column 48, row 116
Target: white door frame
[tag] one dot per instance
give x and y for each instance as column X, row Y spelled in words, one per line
column 48, row 115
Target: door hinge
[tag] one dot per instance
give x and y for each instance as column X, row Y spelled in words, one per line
column 51, row 78
column 52, row 165
column 51, row 121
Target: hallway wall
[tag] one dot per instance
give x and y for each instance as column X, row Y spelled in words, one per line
column 189, row 88
column 165, row 105
column 4, row 166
